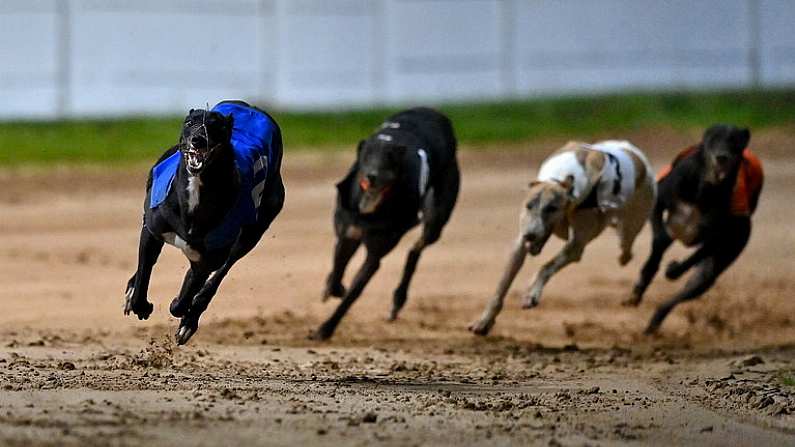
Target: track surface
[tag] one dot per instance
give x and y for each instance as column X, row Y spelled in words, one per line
column 74, row 371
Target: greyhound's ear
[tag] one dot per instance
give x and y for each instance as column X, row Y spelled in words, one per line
column 191, row 111
column 533, row 183
column 742, row 137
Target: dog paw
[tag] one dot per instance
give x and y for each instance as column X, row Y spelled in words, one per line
column 651, row 330
column 530, row 301
column 337, row 291
column 142, row 310
column 321, row 334
column 673, row 270
column 632, row 301
column 187, row 327
column 481, row 327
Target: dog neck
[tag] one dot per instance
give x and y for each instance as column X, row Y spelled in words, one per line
column 194, row 192
column 205, row 198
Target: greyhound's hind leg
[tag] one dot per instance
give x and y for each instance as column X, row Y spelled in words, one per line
column 438, row 207
column 712, row 259
column 136, row 300
column 201, row 293
column 633, row 218
column 676, row 269
column 194, row 280
column 246, row 241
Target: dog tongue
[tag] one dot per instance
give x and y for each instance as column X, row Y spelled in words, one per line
column 364, row 184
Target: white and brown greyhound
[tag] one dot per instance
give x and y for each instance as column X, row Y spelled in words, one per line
column 581, row 189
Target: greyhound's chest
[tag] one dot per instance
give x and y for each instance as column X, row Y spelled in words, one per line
column 175, row 240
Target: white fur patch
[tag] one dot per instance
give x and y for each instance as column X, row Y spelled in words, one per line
column 194, row 185
column 613, row 190
column 390, row 125
column 190, row 253
column 424, row 171
column 383, row 137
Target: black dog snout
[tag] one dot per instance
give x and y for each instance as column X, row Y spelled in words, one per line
column 722, row 159
column 371, row 178
column 530, row 237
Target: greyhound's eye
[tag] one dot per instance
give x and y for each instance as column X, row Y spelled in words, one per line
column 550, row 209
column 529, row 205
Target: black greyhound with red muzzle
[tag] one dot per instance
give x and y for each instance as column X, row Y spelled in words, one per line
column 405, row 173
column 213, row 196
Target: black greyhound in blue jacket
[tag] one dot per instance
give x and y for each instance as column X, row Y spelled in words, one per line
column 213, row 196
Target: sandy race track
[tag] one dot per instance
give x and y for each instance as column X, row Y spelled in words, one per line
column 574, row 371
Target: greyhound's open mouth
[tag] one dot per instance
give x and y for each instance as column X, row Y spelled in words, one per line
column 371, row 197
column 370, row 201
column 196, row 159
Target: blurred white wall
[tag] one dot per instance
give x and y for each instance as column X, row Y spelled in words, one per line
column 65, row 58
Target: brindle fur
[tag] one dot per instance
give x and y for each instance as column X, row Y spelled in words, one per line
column 578, row 226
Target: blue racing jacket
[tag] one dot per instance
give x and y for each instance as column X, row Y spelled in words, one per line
column 252, row 141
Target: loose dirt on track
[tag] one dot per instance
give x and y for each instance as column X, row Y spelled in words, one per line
column 573, row 371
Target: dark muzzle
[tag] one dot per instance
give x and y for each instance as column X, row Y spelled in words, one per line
column 197, row 157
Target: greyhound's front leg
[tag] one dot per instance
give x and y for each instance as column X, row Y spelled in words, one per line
column 371, row 265
column 493, row 308
column 343, row 252
column 149, row 249
column 571, row 252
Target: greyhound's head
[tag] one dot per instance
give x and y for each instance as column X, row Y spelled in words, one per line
column 380, row 164
column 545, row 207
column 723, row 147
column 204, row 133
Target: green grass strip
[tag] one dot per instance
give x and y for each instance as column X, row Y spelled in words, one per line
column 120, row 141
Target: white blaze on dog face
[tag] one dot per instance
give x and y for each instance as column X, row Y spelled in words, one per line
column 544, row 208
